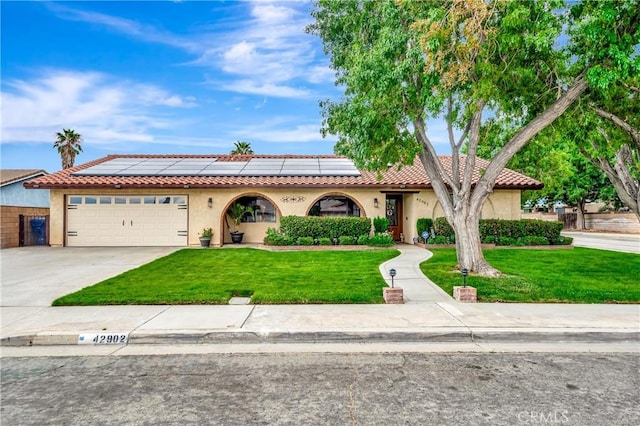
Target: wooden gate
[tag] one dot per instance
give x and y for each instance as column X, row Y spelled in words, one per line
column 569, row 220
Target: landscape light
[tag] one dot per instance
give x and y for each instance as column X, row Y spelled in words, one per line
column 464, row 272
column 392, row 273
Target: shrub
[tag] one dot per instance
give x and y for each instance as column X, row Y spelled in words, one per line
column 533, row 240
column 380, row 224
column 363, row 240
column 489, row 239
column 424, row 224
column 497, row 228
column 505, row 241
column 438, row 239
column 381, row 239
column 562, row 241
column 345, row 240
column 442, row 228
column 275, row 238
column 324, row 241
column 323, row 227
column 304, row 241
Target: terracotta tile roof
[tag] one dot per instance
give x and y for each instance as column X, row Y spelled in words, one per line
column 8, row 176
column 409, row 177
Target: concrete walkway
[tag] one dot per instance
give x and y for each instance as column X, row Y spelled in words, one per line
column 417, row 287
column 429, row 315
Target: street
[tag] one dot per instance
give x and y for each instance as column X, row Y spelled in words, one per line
column 324, row 388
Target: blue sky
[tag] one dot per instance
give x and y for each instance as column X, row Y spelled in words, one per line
column 160, row 77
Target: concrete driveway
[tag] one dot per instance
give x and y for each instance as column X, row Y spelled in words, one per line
column 36, row 276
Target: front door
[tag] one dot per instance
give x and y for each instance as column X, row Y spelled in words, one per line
column 394, row 215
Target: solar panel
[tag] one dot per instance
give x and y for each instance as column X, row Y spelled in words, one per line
column 213, row 167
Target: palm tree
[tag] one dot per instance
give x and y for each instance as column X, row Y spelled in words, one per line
column 68, row 145
column 242, row 148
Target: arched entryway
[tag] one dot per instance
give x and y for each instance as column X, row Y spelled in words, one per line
column 262, row 213
column 336, row 204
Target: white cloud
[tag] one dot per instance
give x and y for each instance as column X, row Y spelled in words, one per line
column 266, row 89
column 281, row 130
column 103, row 109
column 269, row 46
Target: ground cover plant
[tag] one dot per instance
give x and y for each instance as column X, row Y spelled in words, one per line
column 579, row 275
column 213, row 276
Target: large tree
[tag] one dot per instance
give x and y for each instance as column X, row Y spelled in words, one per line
column 68, row 143
column 612, row 121
column 402, row 63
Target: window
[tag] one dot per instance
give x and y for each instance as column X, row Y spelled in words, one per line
column 75, row 200
column 134, row 200
column 263, row 210
column 179, row 200
column 105, row 200
column 164, row 200
column 120, row 200
column 90, row 200
column 149, row 200
column 335, row 205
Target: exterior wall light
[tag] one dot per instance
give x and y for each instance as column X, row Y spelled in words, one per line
column 117, row 186
column 392, row 273
column 464, row 273
column 210, row 202
column 375, row 203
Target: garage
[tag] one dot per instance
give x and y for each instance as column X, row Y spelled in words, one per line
column 126, row 220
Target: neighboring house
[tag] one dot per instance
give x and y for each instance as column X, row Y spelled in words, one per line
column 166, row 200
column 16, row 200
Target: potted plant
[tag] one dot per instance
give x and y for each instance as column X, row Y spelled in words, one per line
column 236, row 213
column 205, row 237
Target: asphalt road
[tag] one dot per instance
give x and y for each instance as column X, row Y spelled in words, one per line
column 324, row 389
column 626, row 243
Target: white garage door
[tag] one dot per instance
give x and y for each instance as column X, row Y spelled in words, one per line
column 127, row 220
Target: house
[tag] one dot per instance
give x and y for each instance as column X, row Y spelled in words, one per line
column 166, row 200
column 17, row 202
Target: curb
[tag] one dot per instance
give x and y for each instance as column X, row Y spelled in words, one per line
column 456, row 335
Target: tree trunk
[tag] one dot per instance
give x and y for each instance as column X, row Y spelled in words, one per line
column 465, row 224
column 580, row 221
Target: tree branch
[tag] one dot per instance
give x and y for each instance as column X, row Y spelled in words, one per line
column 626, row 127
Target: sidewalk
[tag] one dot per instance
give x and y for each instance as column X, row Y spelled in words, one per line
column 429, row 315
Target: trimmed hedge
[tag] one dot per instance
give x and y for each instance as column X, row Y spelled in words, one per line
column 380, row 224
column 275, row 238
column 382, row 239
column 424, row 224
column 295, row 227
column 509, row 232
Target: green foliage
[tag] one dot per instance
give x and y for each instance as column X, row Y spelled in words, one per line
column 535, row 241
column 438, row 239
column 304, row 241
column 241, row 148
column 382, row 239
column 324, row 241
column 236, row 213
column 363, row 239
column 577, row 275
column 380, row 224
column 507, row 232
column 275, row 238
column 318, row 227
column 562, row 241
column 424, row 224
column 345, row 240
column 442, row 228
column 331, row 276
column 206, row 233
column 69, row 145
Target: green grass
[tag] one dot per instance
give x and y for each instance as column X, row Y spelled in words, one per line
column 214, row 276
column 580, row 275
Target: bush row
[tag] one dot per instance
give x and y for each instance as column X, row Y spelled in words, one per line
column 295, row 227
column 506, row 232
column 277, row 238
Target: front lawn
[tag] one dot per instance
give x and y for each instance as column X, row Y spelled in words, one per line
column 214, row 276
column 580, row 275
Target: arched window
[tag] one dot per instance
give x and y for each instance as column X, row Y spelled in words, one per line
column 263, row 210
column 335, row 205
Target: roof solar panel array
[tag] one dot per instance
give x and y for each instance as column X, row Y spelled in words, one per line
column 213, row 167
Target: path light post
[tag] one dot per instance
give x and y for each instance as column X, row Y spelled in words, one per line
column 392, row 273
column 464, row 272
